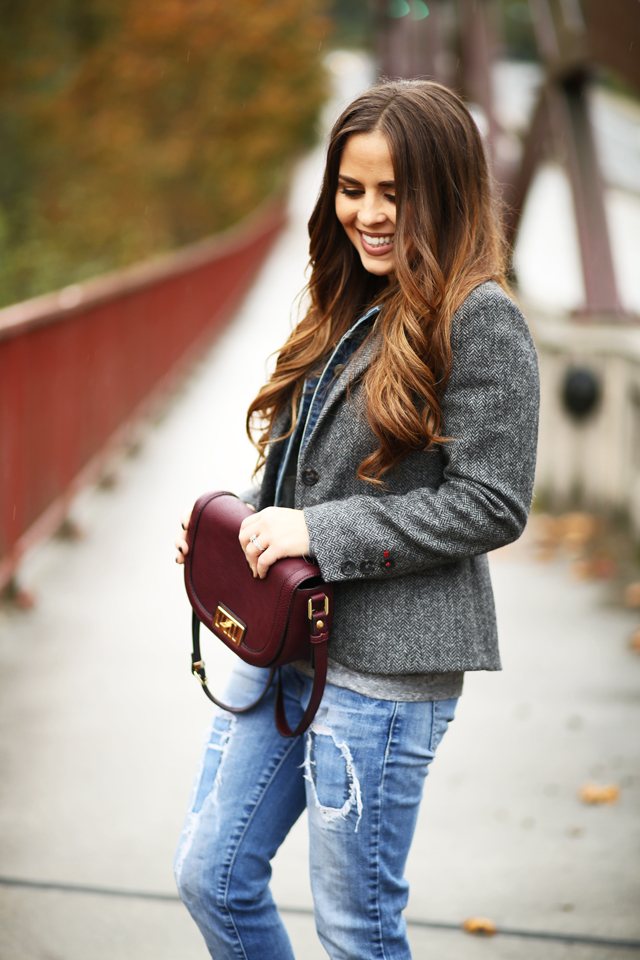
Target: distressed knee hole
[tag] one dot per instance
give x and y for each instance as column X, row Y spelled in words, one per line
column 329, row 768
column 207, row 780
column 221, row 730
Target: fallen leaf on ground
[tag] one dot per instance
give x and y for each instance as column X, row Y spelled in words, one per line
column 599, row 793
column 547, row 530
column 480, row 925
column 582, row 569
column 545, row 556
column 604, row 566
column 632, row 595
column 600, row 567
column 578, row 528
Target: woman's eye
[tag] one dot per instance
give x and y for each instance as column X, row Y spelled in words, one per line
column 353, row 193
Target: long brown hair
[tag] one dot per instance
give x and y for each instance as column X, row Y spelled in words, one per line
column 447, row 241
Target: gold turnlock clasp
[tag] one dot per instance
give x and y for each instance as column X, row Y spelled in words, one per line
column 232, row 628
column 310, row 608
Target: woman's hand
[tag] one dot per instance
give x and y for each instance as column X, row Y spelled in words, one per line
column 279, row 532
column 181, row 538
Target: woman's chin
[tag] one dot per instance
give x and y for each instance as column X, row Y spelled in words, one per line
column 380, row 266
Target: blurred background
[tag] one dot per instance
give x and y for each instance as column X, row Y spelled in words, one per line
column 159, row 165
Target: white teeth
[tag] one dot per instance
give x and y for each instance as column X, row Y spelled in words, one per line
column 378, row 241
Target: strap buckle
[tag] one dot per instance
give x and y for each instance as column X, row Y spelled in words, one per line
column 310, row 607
column 318, row 626
column 197, row 669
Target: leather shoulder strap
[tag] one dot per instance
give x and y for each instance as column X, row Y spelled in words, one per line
column 197, row 668
column 319, row 639
column 319, row 681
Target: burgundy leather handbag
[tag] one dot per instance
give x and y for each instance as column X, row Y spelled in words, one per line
column 268, row 623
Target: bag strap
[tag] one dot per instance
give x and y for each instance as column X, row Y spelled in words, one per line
column 319, row 636
column 197, row 669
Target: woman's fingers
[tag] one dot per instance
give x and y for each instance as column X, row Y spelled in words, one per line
column 276, row 551
column 181, row 539
column 247, row 523
column 181, row 546
column 278, row 532
column 254, row 526
column 254, row 545
column 253, row 554
column 249, row 527
column 265, row 560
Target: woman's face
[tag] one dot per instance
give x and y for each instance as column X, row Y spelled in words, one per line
column 365, row 201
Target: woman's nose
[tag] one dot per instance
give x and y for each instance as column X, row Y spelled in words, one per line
column 371, row 210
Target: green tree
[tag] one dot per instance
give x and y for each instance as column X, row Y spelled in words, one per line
column 129, row 127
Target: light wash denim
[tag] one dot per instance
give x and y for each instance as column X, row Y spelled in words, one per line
column 359, row 771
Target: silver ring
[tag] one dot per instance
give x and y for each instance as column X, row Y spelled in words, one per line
column 255, row 542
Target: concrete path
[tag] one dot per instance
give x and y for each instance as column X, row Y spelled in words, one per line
column 101, row 723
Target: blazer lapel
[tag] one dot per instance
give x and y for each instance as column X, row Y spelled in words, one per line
column 281, row 424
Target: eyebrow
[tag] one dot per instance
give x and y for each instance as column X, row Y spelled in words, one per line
column 383, row 183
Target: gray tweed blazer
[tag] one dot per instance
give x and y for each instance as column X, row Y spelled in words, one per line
column 412, row 591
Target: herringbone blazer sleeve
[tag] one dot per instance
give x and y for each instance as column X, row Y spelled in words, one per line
column 481, row 498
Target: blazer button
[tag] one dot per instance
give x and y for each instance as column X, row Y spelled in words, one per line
column 348, row 568
column 310, row 477
column 367, row 566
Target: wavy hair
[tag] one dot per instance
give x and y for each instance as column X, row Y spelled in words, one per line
column 448, row 239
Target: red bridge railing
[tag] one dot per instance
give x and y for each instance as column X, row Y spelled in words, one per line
column 78, row 368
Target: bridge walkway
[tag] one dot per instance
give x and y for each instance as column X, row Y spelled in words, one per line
column 101, row 723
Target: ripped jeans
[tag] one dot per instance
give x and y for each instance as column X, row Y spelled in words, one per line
column 359, row 771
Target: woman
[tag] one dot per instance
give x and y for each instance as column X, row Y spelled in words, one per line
column 400, row 436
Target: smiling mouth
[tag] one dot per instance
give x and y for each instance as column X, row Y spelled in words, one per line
column 376, row 244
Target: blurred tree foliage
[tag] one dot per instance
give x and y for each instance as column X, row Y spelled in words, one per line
column 354, row 22
column 128, row 127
